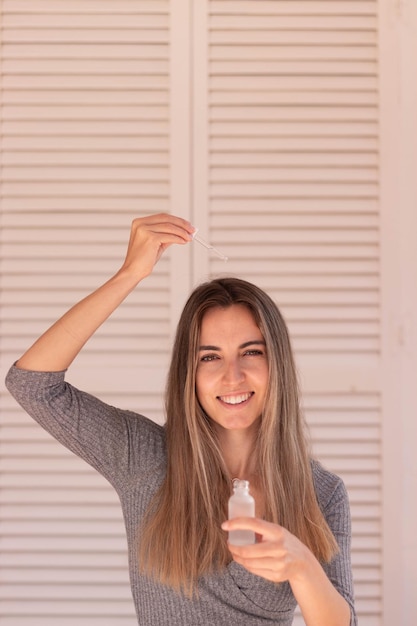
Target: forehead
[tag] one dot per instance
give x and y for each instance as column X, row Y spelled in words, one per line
column 230, row 321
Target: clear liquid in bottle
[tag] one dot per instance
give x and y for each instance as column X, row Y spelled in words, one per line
column 241, row 504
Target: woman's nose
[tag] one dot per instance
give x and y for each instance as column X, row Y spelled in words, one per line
column 233, row 372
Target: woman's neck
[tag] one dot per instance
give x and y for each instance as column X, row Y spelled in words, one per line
column 238, row 453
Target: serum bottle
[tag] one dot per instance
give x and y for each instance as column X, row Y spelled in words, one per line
column 241, row 504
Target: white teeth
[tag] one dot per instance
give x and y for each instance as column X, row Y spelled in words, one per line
column 235, row 399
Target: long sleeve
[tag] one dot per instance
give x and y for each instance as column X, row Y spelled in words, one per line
column 119, row 444
column 333, row 499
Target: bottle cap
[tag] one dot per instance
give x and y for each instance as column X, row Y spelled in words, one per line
column 240, row 484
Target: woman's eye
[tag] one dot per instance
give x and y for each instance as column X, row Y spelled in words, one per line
column 209, row 357
column 254, row 353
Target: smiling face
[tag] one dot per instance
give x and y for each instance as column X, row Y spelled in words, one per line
column 232, row 371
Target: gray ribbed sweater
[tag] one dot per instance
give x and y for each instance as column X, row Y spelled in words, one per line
column 129, row 451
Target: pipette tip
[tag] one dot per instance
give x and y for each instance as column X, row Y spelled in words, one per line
column 209, row 246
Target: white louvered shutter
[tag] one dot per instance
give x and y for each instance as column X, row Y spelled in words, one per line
column 260, row 121
column 86, row 148
column 288, row 189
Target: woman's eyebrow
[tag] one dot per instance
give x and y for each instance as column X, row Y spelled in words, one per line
column 255, row 342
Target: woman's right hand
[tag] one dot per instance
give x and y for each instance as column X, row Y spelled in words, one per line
column 149, row 238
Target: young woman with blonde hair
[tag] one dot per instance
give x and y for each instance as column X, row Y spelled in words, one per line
column 232, row 411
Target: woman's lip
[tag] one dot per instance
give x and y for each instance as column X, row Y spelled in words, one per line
column 236, row 399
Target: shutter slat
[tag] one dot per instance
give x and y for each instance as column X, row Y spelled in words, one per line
column 301, row 36
column 40, row 51
column 84, row 20
column 79, row 7
column 116, row 159
column 294, row 52
column 56, row 608
column 284, row 22
column 62, row 113
column 107, row 67
column 65, row 576
column 38, row 175
column 75, row 35
column 293, row 7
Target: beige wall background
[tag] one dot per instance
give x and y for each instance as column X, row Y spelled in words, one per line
column 286, row 130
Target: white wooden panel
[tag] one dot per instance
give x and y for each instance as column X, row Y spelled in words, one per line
column 289, row 183
column 85, row 148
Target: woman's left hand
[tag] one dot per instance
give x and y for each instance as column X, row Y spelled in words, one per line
column 277, row 556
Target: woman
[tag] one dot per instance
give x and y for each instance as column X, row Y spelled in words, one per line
column 232, row 412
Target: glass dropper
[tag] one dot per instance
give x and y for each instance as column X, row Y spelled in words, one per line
column 209, row 246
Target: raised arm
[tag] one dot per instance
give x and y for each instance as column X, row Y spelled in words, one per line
column 59, row 345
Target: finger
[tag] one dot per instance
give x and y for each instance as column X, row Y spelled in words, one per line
column 261, row 552
column 167, row 233
column 266, row 563
column 267, row 530
column 265, row 555
column 155, row 218
column 263, row 549
column 165, row 222
column 273, row 563
column 269, row 569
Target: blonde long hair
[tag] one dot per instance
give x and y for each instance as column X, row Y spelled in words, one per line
column 182, row 539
